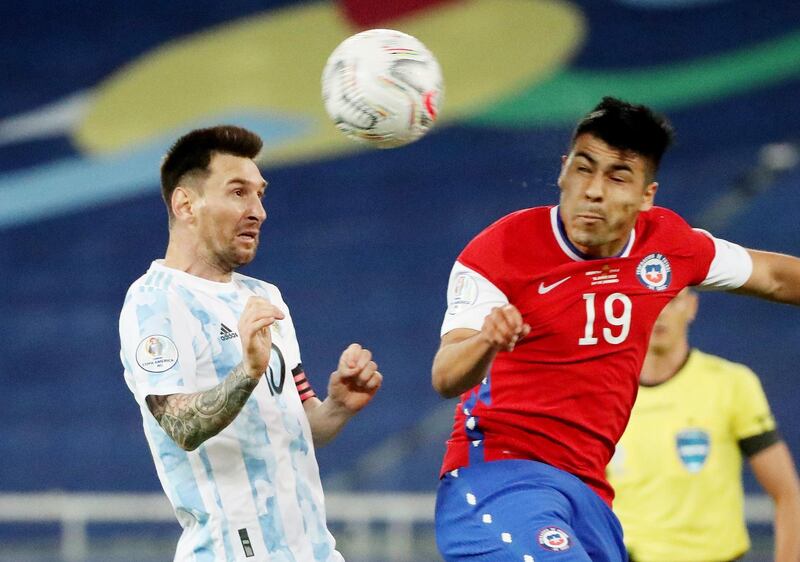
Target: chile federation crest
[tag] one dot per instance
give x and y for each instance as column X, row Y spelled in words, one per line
column 654, row 272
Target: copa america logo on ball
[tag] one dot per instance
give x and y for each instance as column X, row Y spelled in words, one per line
column 654, row 272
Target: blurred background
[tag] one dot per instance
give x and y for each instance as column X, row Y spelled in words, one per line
column 360, row 241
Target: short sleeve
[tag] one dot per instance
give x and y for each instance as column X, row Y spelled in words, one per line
column 470, row 298
column 730, row 267
column 751, row 412
column 156, row 346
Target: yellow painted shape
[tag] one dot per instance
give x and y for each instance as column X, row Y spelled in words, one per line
column 272, row 64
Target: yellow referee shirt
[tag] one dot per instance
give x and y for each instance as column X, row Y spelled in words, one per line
column 677, row 469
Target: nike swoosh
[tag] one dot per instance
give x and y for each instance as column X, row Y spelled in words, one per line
column 547, row 288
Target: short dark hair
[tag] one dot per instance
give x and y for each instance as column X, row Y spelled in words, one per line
column 627, row 126
column 193, row 151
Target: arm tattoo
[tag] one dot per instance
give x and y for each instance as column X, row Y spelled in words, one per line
column 190, row 419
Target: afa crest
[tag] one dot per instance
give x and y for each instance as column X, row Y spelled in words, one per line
column 654, row 272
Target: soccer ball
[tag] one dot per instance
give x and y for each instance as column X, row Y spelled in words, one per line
column 383, row 88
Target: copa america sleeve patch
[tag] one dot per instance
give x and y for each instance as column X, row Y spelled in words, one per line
column 470, row 298
column 156, row 354
column 465, row 293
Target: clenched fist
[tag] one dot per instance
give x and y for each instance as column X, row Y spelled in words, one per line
column 504, row 327
column 356, row 379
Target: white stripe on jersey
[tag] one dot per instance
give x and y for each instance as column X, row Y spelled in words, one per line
column 470, row 299
column 731, row 266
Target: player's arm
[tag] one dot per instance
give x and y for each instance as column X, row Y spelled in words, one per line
column 190, row 419
column 464, row 355
column 775, row 277
column 350, row 388
column 775, row 471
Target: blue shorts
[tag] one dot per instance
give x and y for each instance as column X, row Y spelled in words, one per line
column 523, row 511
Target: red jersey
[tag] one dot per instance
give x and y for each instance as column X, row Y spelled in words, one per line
column 564, row 394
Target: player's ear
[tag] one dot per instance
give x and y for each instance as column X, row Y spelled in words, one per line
column 182, row 201
column 563, row 169
column 649, row 196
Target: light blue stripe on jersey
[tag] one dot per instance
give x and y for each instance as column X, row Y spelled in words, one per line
column 256, row 287
column 262, row 472
column 313, row 519
column 251, row 431
column 183, row 488
column 226, row 536
column 153, row 319
column 262, row 468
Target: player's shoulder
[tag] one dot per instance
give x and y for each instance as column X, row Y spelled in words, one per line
column 496, row 250
column 523, row 222
column 662, row 218
column 530, row 217
column 666, row 227
column 150, row 283
column 159, row 286
column 723, row 370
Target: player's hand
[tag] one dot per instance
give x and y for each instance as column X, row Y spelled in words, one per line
column 254, row 329
column 356, row 379
column 504, row 327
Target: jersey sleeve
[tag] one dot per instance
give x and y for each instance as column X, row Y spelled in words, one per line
column 156, row 344
column 731, row 266
column 481, row 277
column 470, row 298
column 753, row 424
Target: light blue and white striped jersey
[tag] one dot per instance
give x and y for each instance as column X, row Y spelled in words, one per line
column 253, row 491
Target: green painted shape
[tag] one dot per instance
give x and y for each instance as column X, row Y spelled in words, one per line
column 570, row 93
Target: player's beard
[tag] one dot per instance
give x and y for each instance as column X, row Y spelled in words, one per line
column 237, row 257
column 591, row 238
column 231, row 256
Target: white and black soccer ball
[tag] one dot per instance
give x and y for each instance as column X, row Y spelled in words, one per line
column 382, row 87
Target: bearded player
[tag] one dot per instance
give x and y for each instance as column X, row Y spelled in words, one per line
column 549, row 314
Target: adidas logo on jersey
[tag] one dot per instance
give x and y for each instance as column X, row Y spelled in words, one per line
column 226, row 333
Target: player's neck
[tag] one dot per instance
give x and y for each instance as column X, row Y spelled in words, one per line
column 187, row 258
column 660, row 367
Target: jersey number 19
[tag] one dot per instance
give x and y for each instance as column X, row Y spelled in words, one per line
column 621, row 321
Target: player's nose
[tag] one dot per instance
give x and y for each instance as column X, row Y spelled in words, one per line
column 256, row 210
column 594, row 187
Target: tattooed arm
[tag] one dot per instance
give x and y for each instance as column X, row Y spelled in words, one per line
column 190, row 419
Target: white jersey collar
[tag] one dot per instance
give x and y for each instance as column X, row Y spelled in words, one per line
column 193, row 280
